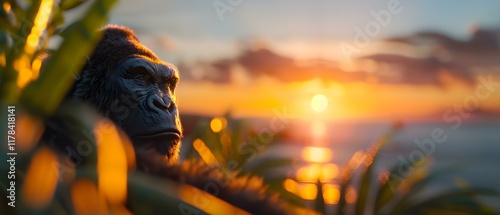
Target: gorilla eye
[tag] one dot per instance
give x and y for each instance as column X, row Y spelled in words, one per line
column 139, row 73
column 172, row 83
column 141, row 77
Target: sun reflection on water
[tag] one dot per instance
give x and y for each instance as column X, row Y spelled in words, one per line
column 317, row 154
column 318, row 169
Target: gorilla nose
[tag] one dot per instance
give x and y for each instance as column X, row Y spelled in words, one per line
column 157, row 104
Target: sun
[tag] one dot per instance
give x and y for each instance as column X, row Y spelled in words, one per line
column 319, row 103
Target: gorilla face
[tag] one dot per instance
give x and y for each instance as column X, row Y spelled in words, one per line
column 127, row 83
column 154, row 125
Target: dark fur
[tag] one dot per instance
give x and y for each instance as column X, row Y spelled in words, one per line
column 150, row 107
column 94, row 87
column 246, row 192
column 116, row 44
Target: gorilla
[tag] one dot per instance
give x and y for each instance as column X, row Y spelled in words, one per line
column 127, row 83
column 120, row 70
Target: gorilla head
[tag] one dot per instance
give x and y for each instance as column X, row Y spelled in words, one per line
column 127, row 83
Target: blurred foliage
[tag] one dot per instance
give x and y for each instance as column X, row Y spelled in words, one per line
column 47, row 180
column 356, row 189
column 233, row 146
column 400, row 193
column 94, row 175
column 102, row 181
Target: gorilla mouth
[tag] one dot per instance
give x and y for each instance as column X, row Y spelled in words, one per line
column 162, row 142
column 166, row 132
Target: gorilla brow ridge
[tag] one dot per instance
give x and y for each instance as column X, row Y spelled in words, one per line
column 122, row 43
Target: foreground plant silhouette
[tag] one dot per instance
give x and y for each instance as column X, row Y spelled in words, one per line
column 103, row 181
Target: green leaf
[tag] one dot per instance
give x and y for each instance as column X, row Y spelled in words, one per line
column 44, row 95
column 75, row 125
column 346, row 175
column 150, row 195
column 9, row 91
column 213, row 143
column 70, row 4
column 442, row 199
column 388, row 190
column 57, row 18
column 417, row 186
column 258, row 167
column 371, row 158
column 237, row 137
column 363, row 191
column 319, row 202
column 276, row 185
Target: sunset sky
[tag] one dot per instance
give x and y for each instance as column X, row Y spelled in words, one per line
column 193, row 29
column 191, row 34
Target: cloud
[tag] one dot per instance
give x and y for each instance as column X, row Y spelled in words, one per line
column 481, row 41
column 389, row 69
column 481, row 49
column 428, row 71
